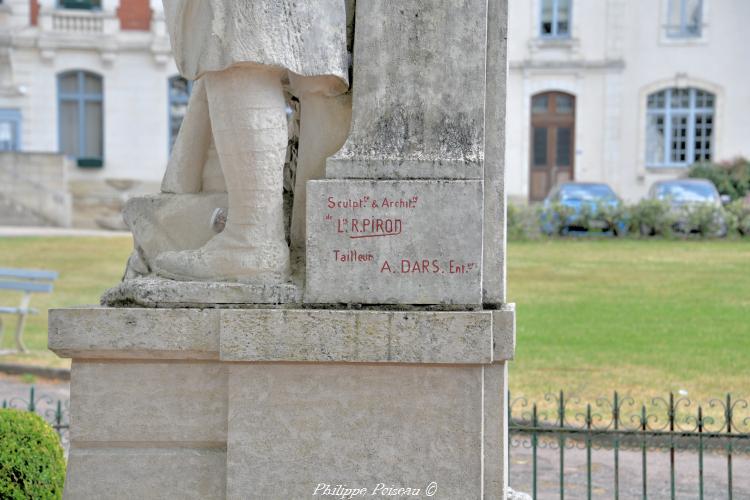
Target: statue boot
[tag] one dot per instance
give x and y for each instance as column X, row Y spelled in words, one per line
column 248, row 121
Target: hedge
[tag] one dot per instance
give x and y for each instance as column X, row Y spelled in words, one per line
column 731, row 178
column 31, row 458
column 647, row 218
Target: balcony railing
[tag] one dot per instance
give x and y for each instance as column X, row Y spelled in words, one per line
column 78, row 21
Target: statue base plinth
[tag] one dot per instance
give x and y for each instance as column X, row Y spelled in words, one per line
column 274, row 403
column 152, row 291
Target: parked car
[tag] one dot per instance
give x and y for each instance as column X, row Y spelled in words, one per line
column 580, row 207
column 689, row 195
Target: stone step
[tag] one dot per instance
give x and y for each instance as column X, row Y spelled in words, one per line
column 14, row 214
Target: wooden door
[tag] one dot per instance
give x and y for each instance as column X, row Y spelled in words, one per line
column 552, row 142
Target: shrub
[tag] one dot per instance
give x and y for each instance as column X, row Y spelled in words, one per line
column 523, row 222
column 650, row 217
column 731, row 178
column 740, row 212
column 556, row 218
column 617, row 217
column 31, row 459
column 706, row 219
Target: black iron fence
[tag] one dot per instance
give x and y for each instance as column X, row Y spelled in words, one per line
column 560, row 425
column 55, row 412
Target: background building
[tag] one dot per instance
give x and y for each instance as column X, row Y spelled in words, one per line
column 621, row 91
column 94, row 80
column 624, row 91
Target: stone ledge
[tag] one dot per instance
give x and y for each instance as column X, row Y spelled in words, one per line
column 151, row 291
column 361, row 336
column 285, row 335
column 504, row 333
column 104, row 332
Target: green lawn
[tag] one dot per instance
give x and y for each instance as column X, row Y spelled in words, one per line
column 87, row 267
column 643, row 317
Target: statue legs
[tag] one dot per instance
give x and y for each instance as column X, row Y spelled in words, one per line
column 247, row 113
column 185, row 166
column 324, row 126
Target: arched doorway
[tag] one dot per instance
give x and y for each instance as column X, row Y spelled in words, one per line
column 553, row 118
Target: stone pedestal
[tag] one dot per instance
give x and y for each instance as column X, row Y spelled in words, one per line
column 273, row 403
column 380, row 369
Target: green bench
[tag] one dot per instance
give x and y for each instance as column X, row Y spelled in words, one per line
column 27, row 281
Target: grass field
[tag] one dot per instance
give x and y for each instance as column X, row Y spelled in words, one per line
column 643, row 317
column 87, row 267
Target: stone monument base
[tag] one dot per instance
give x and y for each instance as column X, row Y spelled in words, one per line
column 153, row 291
column 284, row 403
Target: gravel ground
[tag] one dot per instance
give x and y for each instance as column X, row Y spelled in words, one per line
column 631, row 486
column 15, row 391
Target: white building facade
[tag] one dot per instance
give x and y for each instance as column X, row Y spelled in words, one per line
column 93, row 79
column 625, row 92
column 619, row 91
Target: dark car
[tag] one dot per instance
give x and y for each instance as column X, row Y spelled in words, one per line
column 570, row 200
column 684, row 195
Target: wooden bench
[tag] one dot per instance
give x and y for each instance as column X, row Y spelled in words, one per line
column 27, row 281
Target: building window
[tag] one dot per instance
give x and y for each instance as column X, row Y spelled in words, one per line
column 81, row 117
column 10, row 130
column 679, row 127
column 80, row 4
column 555, row 18
column 685, row 18
column 179, row 95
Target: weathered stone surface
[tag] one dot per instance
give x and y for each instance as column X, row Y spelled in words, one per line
column 305, row 38
column 150, row 402
column 152, row 291
column 145, row 473
column 517, row 495
column 504, row 333
column 276, row 417
column 362, row 336
column 303, row 335
column 324, row 126
column 493, row 262
column 419, row 78
column 495, row 432
column 167, row 222
column 134, row 333
column 394, row 242
column 249, row 127
column 292, row 427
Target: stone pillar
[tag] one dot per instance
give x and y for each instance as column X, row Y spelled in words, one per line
column 388, row 368
column 412, row 210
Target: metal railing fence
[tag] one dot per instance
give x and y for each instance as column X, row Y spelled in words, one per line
column 55, row 412
column 665, row 425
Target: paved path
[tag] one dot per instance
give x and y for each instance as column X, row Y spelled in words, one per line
column 13, row 387
column 16, row 231
column 631, row 486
